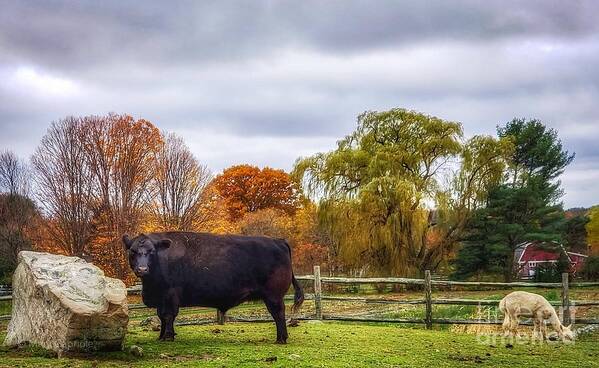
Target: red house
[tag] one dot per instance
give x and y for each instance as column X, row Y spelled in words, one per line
column 529, row 256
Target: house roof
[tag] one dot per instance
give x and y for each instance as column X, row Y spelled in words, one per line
column 577, row 254
column 540, row 252
column 535, row 253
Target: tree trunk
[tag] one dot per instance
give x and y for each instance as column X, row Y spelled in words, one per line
column 508, row 272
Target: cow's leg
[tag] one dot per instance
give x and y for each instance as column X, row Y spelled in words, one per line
column 277, row 311
column 171, row 309
column 162, row 324
column 221, row 316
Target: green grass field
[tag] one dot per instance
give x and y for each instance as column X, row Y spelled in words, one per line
column 318, row 344
column 329, row 344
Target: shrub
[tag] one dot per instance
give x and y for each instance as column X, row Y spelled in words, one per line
column 590, row 270
column 547, row 272
column 552, row 272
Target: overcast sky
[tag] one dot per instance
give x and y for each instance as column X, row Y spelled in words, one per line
column 264, row 82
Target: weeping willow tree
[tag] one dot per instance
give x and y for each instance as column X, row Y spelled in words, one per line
column 397, row 193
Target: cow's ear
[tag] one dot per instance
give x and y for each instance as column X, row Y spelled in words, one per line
column 127, row 241
column 163, row 244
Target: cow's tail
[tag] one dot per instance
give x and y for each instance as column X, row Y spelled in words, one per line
column 298, row 296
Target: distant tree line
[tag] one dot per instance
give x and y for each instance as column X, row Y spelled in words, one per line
column 94, row 178
column 407, row 192
column 403, row 193
column 18, row 213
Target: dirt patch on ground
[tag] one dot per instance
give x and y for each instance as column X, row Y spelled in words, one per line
column 469, row 358
column 184, row 358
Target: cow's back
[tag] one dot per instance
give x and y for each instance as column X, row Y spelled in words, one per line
column 225, row 270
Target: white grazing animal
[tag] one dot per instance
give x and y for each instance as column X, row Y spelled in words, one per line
column 522, row 303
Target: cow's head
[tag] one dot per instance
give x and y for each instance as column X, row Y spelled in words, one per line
column 143, row 253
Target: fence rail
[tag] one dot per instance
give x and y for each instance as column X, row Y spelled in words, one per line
column 428, row 301
column 407, row 281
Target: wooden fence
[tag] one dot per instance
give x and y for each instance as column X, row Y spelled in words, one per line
column 427, row 301
column 427, row 283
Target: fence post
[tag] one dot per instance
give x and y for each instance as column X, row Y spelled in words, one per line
column 220, row 317
column 565, row 300
column 428, row 296
column 317, row 293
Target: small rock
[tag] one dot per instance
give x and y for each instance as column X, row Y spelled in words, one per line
column 294, row 356
column 146, row 321
column 136, row 351
column 151, row 323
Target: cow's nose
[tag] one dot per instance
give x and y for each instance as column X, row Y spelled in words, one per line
column 141, row 269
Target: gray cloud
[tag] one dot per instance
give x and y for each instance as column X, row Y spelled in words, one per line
column 83, row 34
column 267, row 81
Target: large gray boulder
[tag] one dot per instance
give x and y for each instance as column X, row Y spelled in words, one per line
column 65, row 304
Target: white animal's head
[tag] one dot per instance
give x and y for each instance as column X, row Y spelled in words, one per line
column 566, row 333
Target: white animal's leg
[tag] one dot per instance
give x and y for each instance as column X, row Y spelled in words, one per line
column 536, row 332
column 515, row 321
column 543, row 328
column 507, row 323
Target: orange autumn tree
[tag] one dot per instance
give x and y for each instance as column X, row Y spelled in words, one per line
column 307, row 255
column 247, row 189
column 310, row 242
column 269, row 222
column 120, row 154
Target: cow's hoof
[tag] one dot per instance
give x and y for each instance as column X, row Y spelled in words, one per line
column 281, row 342
column 168, row 338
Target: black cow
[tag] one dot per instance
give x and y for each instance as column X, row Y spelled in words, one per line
column 185, row 269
